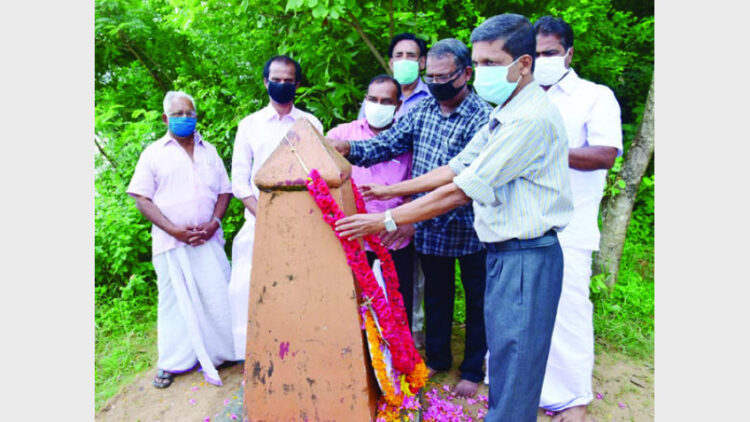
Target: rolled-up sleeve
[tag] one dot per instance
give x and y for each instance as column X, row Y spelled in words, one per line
column 143, row 182
column 507, row 155
column 604, row 127
column 242, row 163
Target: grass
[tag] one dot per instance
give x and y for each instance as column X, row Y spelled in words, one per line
column 125, row 338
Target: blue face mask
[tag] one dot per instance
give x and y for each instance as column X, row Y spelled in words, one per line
column 182, row 126
column 492, row 84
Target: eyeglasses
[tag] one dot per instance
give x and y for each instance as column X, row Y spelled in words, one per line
column 183, row 114
column 440, row 79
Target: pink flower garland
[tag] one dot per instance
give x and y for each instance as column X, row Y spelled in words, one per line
column 391, row 313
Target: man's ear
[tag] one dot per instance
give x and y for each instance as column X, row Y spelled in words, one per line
column 265, row 82
column 165, row 119
column 297, row 84
column 468, row 72
column 570, row 57
column 525, row 62
column 422, row 61
column 398, row 106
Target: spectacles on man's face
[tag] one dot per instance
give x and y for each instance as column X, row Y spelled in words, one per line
column 441, row 79
column 183, row 114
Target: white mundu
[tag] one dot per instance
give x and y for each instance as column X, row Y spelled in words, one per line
column 592, row 118
column 258, row 135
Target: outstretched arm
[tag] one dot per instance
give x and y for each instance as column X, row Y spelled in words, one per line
column 437, row 202
column 425, row 183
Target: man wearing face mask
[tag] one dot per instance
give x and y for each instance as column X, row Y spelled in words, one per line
column 592, row 121
column 381, row 105
column 437, row 129
column 181, row 186
column 515, row 172
column 406, row 57
column 257, row 137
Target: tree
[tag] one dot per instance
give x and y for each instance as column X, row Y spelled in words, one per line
column 617, row 209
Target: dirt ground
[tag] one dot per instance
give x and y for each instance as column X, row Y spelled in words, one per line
column 624, row 391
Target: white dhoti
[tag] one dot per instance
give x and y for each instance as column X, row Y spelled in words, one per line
column 239, row 286
column 567, row 380
column 193, row 321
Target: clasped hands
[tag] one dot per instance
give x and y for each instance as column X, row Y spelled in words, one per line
column 196, row 235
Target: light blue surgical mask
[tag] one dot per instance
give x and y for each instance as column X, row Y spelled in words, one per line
column 182, row 126
column 491, row 83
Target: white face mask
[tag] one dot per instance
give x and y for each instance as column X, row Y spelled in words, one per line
column 379, row 115
column 549, row 70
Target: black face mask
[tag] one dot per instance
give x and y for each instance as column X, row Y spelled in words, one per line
column 280, row 92
column 445, row 91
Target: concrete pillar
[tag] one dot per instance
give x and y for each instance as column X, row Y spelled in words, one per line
column 307, row 356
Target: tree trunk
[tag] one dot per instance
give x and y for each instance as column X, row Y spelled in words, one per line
column 618, row 208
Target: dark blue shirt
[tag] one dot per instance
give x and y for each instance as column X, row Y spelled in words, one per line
column 434, row 139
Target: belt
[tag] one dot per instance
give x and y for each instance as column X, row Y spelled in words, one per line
column 547, row 239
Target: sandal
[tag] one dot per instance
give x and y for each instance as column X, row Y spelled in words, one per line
column 228, row 364
column 163, row 379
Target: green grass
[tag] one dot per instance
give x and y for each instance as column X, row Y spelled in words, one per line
column 125, row 337
column 624, row 316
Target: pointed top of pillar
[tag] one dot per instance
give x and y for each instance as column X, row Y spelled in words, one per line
column 301, row 150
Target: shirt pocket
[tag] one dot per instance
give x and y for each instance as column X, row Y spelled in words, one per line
column 206, row 176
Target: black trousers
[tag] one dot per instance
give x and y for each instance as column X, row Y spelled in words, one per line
column 403, row 260
column 439, row 296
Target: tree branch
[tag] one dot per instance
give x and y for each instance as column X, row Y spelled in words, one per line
column 101, row 150
column 140, row 60
column 357, row 27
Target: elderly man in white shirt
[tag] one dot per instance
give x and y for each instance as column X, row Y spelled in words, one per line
column 257, row 137
column 592, row 121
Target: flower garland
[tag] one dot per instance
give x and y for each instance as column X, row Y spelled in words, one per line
column 410, row 370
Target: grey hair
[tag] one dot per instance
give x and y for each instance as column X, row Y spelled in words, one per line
column 454, row 47
column 171, row 95
column 514, row 30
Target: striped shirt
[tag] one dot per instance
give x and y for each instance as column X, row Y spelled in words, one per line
column 516, row 170
column 434, row 139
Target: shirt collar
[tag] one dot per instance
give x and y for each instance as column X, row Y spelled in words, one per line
column 365, row 127
column 198, row 139
column 530, row 93
column 269, row 113
column 466, row 107
column 568, row 82
column 421, row 87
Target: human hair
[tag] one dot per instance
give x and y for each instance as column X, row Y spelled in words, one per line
column 407, row 36
column 454, row 47
column 548, row 25
column 171, row 95
column 514, row 30
column 386, row 78
column 284, row 59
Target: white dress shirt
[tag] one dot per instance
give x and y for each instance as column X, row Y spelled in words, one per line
column 258, row 135
column 592, row 118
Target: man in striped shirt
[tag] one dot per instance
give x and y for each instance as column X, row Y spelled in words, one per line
column 515, row 170
column 437, row 129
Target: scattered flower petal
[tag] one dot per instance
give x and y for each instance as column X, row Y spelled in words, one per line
column 622, row 405
column 548, row 413
column 234, row 417
column 192, row 402
column 207, row 419
column 599, row 396
column 194, row 388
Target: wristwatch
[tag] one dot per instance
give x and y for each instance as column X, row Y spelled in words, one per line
column 390, row 225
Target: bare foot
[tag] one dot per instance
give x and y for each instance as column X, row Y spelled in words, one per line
column 465, row 388
column 431, row 373
column 571, row 414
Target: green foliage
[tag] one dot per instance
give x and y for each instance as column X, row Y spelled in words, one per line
column 125, row 334
column 215, row 50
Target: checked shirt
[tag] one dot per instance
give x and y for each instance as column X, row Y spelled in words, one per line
column 434, row 140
